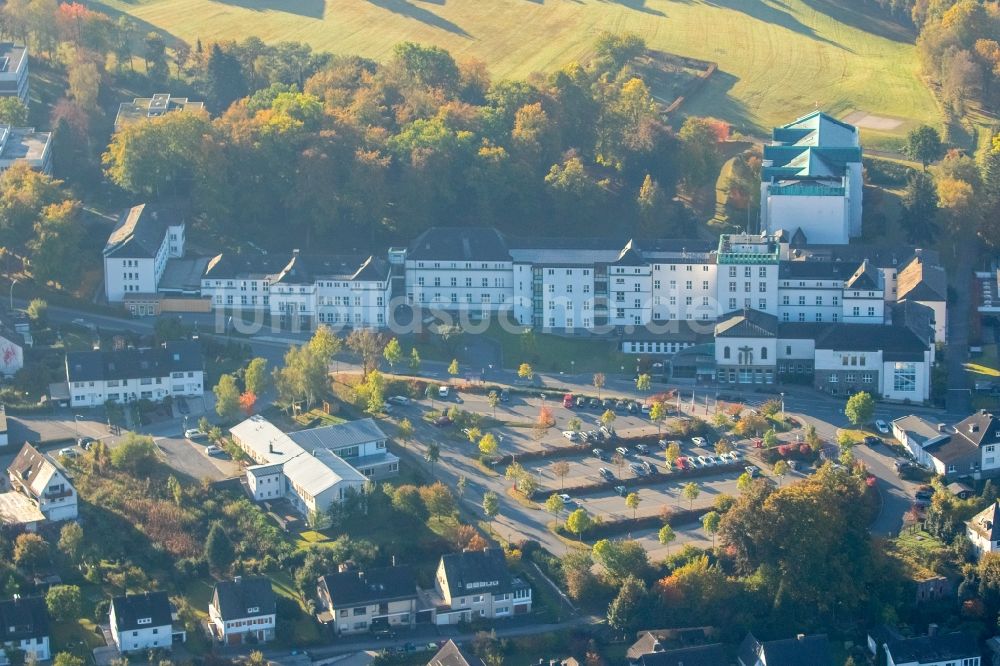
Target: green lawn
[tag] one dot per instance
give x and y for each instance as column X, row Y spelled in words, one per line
column 777, row 58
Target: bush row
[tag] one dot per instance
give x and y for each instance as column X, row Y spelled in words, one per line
column 609, row 528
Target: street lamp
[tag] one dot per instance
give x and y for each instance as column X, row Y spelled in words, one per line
column 782, row 405
column 12, row 283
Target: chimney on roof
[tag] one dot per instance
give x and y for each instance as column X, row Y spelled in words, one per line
column 973, row 427
column 932, row 629
column 361, row 575
column 393, row 560
column 800, row 637
column 270, row 447
column 295, row 252
column 238, row 580
column 942, row 427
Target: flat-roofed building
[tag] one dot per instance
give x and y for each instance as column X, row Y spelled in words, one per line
column 24, row 144
column 14, row 71
column 157, row 106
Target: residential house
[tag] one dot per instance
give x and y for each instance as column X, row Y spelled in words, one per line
column 451, row 654
column 356, row 601
column 701, row 655
column 658, row 640
column 25, row 145
column 983, row 530
column 811, row 180
column 143, row 622
column 813, row 650
column 137, row 251
column 243, row 611
column 14, row 71
column 954, row 649
column 316, row 467
column 34, row 474
column 476, row 584
column 922, row 438
column 160, row 104
column 176, row 369
column 24, row 626
column 924, row 282
column 980, row 431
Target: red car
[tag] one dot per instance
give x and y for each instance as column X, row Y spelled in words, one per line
column 568, row 401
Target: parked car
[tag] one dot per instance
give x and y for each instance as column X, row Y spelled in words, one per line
column 638, row 469
column 642, row 448
column 444, row 391
column 682, row 463
column 622, row 491
column 568, row 400
column 212, row 450
column 594, row 403
column 702, row 461
column 571, row 435
column 504, row 395
column 581, row 402
column 752, row 470
column 194, row 433
column 735, row 454
column 607, row 403
column 650, row 467
column 924, row 493
column 882, row 426
column 621, row 406
column 633, row 407
column 565, row 498
column 623, row 451
column 399, row 400
column 872, row 440
column 607, row 473
column 712, row 460
column 86, row 442
column 698, row 441
column 69, row 452
column 599, row 454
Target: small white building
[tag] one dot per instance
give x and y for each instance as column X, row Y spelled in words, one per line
column 242, row 611
column 811, row 180
column 137, row 251
column 983, row 530
column 94, row 377
column 143, row 622
column 160, row 104
column 14, row 71
column 475, row 584
column 33, row 474
column 24, row 625
column 25, row 144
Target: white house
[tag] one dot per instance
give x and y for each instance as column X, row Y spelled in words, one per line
column 356, row 601
column 143, row 622
column 95, row 377
column 476, row 584
column 811, row 180
column 137, row 251
column 920, row 437
column 24, row 144
column 24, row 626
column 923, row 282
column 14, row 71
column 33, row 474
column 983, row 530
column 313, row 468
column 242, row 611
column 955, row 649
column 160, row 104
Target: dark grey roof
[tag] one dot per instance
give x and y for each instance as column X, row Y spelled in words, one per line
column 747, row 323
column 813, row 270
column 865, row 278
column 895, row 342
column 140, row 230
column 702, row 655
column 915, row 316
column 987, row 522
column 979, row 429
column 230, row 266
column 23, row 618
column 151, row 607
column 477, row 567
column 175, row 356
column 678, row 330
column 631, row 255
column 813, row 650
column 934, row 649
column 349, row 588
column 950, row 449
column 459, row 244
column 451, row 654
column 238, row 598
column 803, row 330
column 349, row 433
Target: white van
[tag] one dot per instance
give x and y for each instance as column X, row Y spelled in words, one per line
column 444, row 391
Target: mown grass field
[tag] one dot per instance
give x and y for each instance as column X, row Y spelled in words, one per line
column 778, row 58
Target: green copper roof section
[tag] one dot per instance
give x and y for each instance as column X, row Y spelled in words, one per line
column 732, row 251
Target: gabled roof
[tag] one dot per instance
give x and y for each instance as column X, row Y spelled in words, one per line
column 140, row 611
column 934, row 649
column 702, row 655
column 485, row 570
column 33, row 469
column 921, row 281
column 986, row 523
column 246, row 596
column 451, row 654
column 459, row 244
column 631, row 255
column 980, row 429
column 865, row 278
column 349, row 433
column 174, row 356
column 23, row 618
column 140, row 231
column 817, row 129
column 349, row 588
column 747, row 323
column 813, row 650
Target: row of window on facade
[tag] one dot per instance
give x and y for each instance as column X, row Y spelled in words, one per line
column 745, row 376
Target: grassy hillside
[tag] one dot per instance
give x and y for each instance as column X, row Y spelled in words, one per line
column 778, row 58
